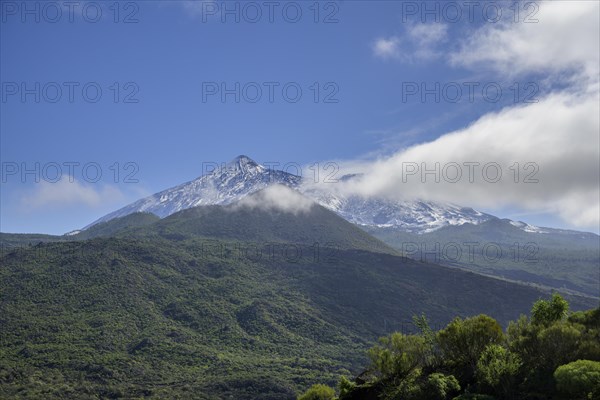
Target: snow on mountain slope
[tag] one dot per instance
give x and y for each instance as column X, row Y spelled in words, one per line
column 527, row 228
column 243, row 176
column 231, row 182
column 409, row 216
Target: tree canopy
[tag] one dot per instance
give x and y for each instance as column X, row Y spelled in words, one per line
column 553, row 354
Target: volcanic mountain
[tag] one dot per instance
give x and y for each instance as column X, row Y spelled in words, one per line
column 243, row 176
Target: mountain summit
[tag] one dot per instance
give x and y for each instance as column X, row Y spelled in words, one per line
column 244, row 164
column 243, row 176
column 224, row 185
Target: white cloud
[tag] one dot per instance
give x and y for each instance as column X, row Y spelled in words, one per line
column 387, row 48
column 68, row 192
column 419, row 43
column 560, row 133
column 277, row 197
column 428, row 34
column 566, row 38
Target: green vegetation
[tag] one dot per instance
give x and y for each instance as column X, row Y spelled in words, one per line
column 579, row 379
column 318, row 392
column 553, row 355
column 548, row 312
column 218, row 303
column 117, row 318
column 117, row 225
column 242, row 223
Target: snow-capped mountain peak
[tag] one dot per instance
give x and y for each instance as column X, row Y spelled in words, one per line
column 243, row 164
column 242, row 176
column 223, row 185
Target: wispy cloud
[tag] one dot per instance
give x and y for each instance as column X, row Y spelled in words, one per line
column 419, row 42
column 566, row 39
column 277, row 197
column 387, row 47
column 69, row 192
column 428, row 34
column 204, row 10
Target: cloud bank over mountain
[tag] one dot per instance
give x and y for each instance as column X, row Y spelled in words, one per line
column 547, row 153
column 277, row 197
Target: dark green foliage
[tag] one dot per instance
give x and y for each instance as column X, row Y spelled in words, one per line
column 579, row 379
column 346, row 386
column 474, row 396
column 439, row 386
column 462, row 343
column 554, row 360
column 543, row 348
column 546, row 312
column 318, row 392
column 497, row 370
column 398, row 356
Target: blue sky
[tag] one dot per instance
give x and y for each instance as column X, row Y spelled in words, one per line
column 160, row 129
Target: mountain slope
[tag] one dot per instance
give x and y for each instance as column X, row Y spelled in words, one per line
column 162, row 318
column 409, row 215
column 558, row 259
column 553, row 258
column 313, row 226
column 154, row 311
column 116, row 225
